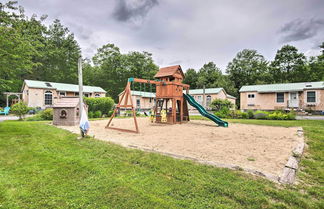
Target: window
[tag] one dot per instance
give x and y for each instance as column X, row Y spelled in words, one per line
column 48, row 98
column 97, row 95
column 311, row 96
column 48, row 84
column 63, row 114
column 250, row 95
column 62, row 93
column 76, row 94
column 86, row 95
column 280, row 97
column 199, row 99
column 208, row 100
column 150, row 100
column 138, row 103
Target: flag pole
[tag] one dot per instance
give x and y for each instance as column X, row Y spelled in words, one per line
column 80, row 90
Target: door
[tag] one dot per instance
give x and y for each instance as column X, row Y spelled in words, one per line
column 293, row 100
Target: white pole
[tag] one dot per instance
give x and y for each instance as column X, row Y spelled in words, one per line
column 204, row 99
column 80, row 87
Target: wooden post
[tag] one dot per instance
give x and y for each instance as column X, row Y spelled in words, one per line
column 127, row 95
column 181, row 109
column 174, row 111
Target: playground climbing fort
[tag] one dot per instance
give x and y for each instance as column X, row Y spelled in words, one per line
column 171, row 103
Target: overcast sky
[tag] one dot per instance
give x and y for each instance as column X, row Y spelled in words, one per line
column 189, row 32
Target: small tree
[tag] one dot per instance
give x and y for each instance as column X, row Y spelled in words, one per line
column 219, row 104
column 20, row 109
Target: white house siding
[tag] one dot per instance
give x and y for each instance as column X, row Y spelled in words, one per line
column 35, row 97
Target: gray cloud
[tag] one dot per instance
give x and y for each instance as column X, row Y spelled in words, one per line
column 301, row 29
column 175, row 62
column 80, row 31
column 126, row 10
column 187, row 31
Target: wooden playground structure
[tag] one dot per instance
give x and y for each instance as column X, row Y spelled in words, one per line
column 170, row 107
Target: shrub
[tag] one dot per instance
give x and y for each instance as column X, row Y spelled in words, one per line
column 110, row 113
column 103, row 104
column 47, row 114
column 36, row 117
column 223, row 113
column 250, row 114
column 20, row 109
column 244, row 115
column 90, row 114
column 261, row 115
column 234, row 114
column 97, row 114
column 219, row 104
column 291, row 116
column 128, row 113
column 278, row 115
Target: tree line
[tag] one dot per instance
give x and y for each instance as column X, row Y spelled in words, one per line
column 249, row 67
column 29, row 49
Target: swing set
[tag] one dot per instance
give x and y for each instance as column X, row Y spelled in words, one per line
column 170, row 106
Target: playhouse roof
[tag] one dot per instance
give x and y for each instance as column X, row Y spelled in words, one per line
column 168, row 71
column 283, row 87
column 62, row 86
column 67, row 102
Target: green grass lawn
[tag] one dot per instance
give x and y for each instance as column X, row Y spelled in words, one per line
column 45, row 167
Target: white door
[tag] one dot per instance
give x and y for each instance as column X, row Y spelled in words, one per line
column 293, row 100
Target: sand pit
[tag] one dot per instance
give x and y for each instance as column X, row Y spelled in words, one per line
column 261, row 148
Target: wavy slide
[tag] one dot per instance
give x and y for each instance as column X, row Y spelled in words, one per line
column 203, row 111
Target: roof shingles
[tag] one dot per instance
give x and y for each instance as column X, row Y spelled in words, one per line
column 168, row 71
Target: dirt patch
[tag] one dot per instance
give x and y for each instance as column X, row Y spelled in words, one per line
column 261, row 148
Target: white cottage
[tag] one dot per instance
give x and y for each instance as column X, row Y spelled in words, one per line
column 45, row 94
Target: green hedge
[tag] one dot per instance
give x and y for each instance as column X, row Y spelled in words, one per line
column 261, row 115
column 102, row 104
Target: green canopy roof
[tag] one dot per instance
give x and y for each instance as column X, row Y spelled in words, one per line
column 143, row 94
column 207, row 91
column 62, row 86
column 283, row 87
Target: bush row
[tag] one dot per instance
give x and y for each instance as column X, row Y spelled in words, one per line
column 261, row 115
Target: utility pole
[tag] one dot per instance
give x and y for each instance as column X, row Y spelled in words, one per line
column 80, row 88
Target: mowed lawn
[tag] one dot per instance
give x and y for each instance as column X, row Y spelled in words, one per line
column 45, row 167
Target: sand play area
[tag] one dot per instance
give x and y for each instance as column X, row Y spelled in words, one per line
column 261, row 148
